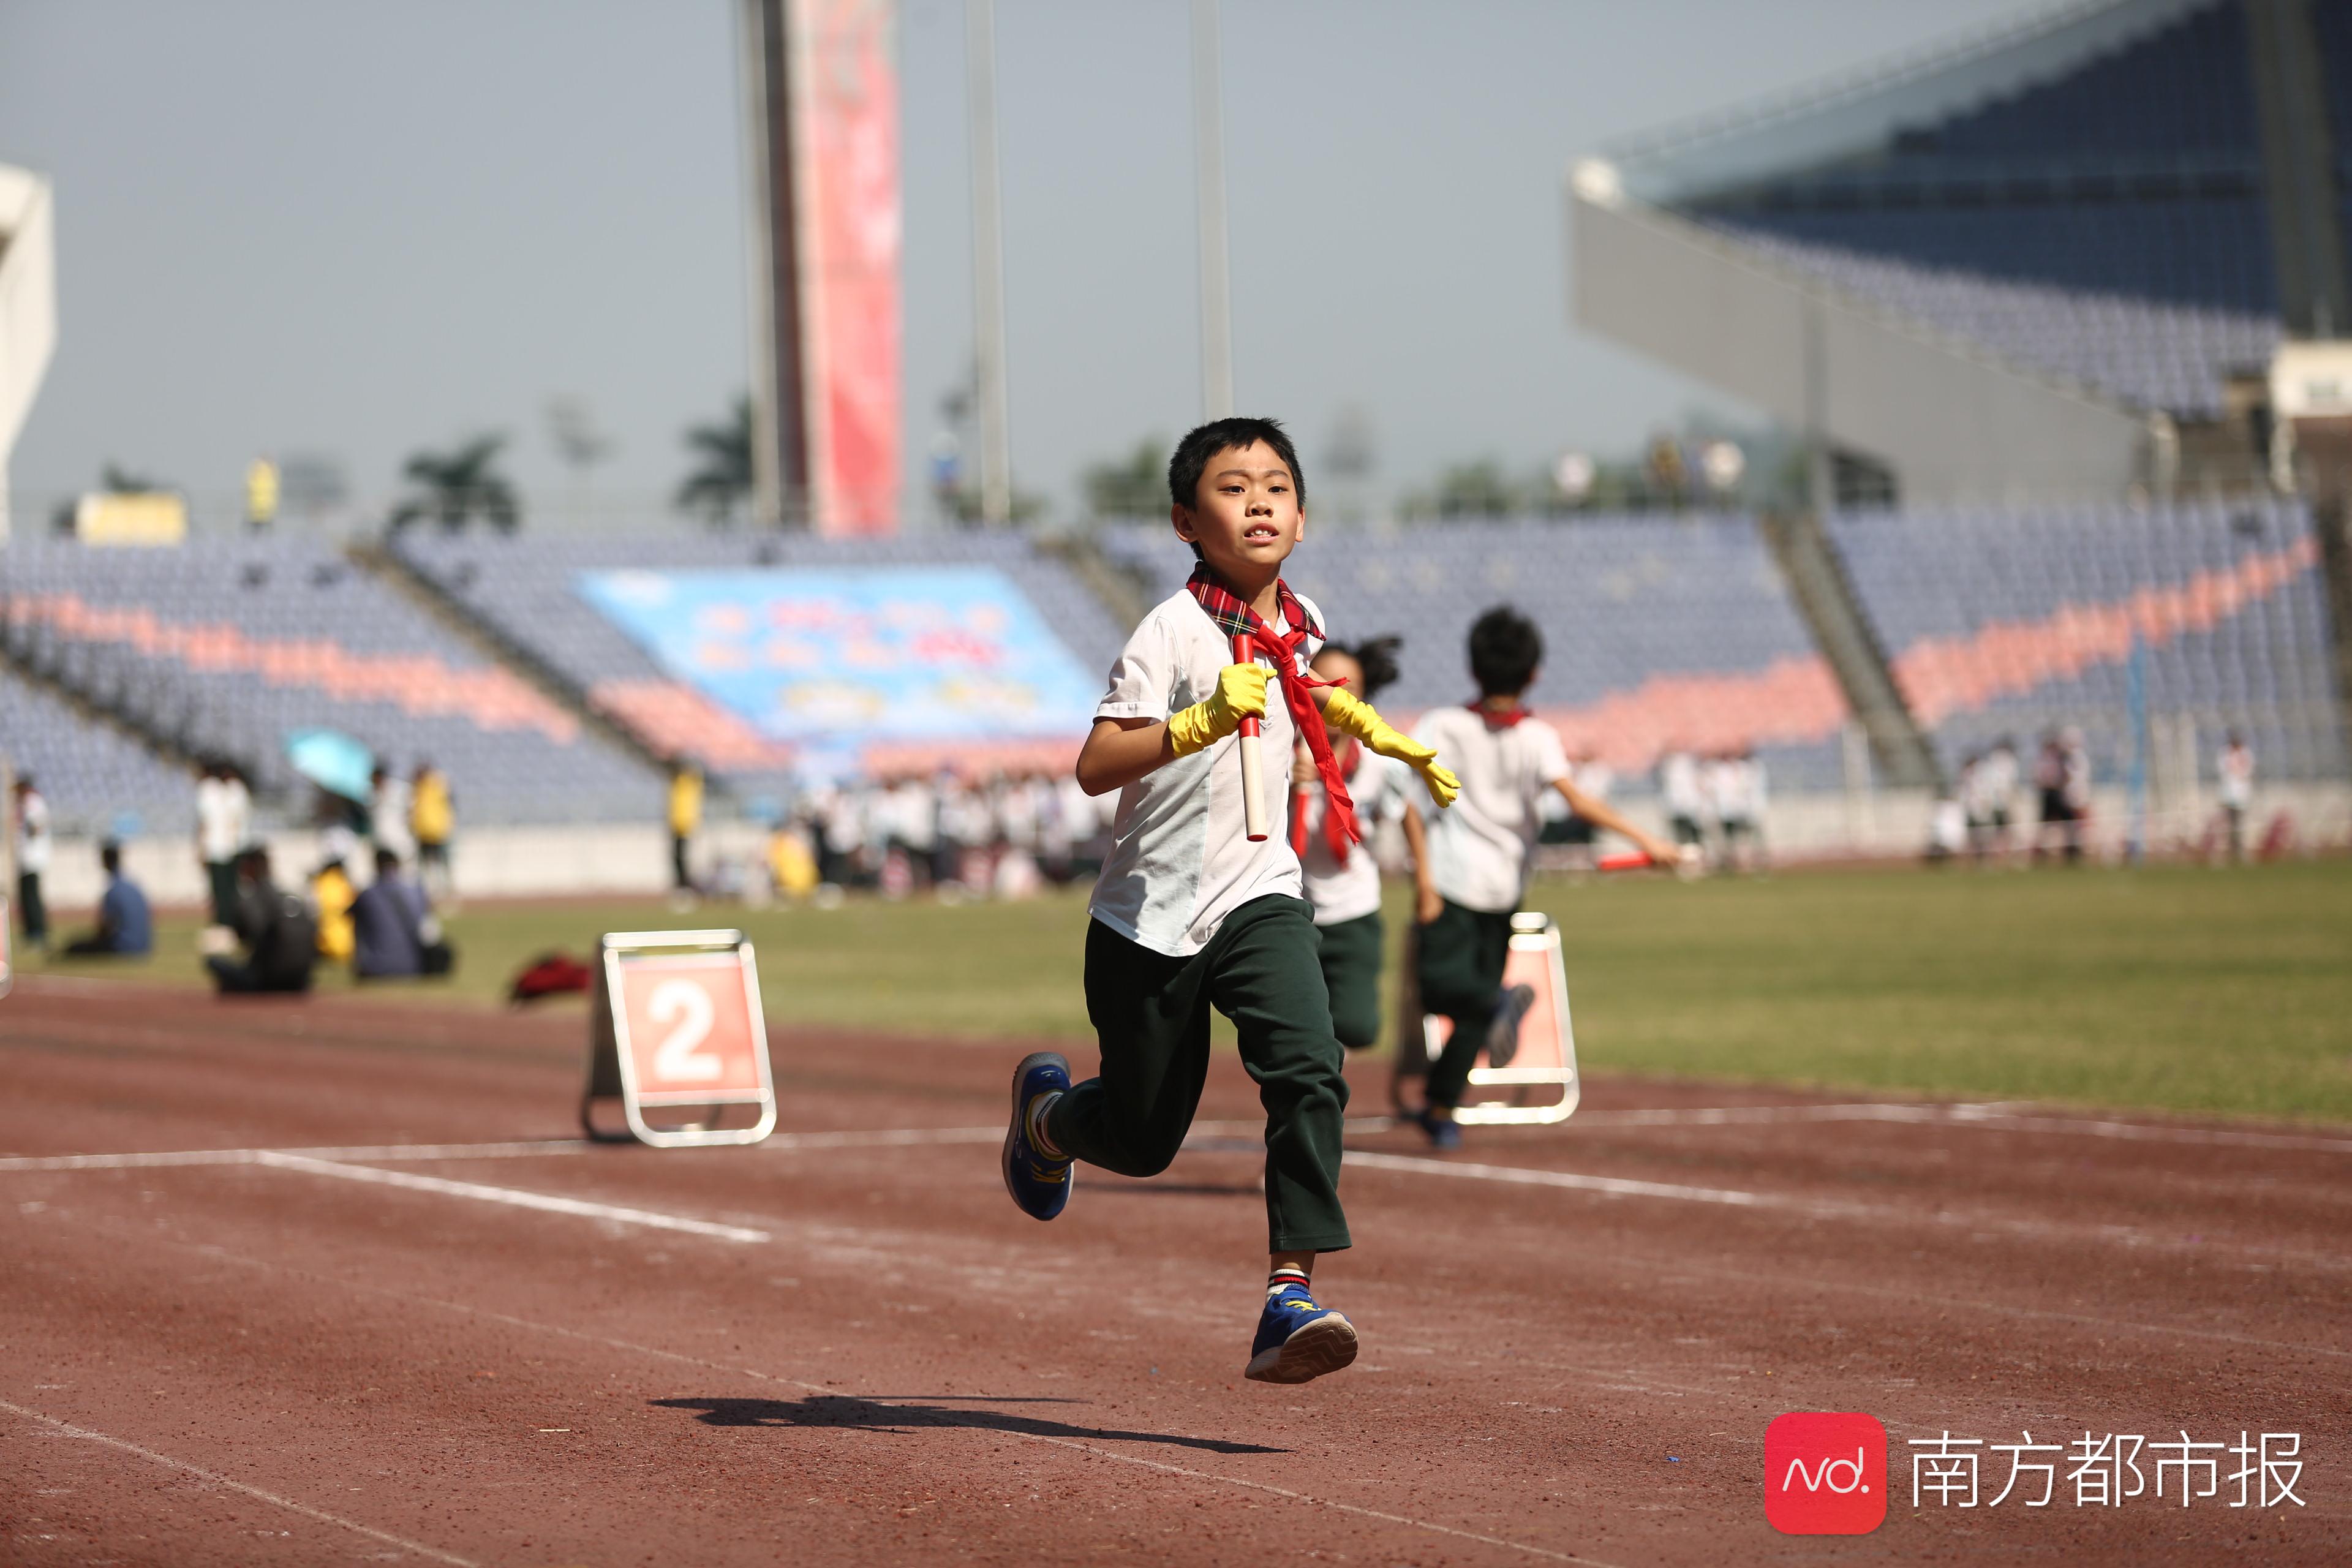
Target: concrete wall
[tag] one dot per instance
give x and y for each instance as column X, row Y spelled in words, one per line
column 1953, row 424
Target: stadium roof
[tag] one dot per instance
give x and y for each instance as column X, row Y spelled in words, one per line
column 2018, row 264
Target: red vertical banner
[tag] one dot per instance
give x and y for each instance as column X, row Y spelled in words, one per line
column 847, row 95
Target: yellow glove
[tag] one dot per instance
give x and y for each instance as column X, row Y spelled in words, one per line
column 1354, row 718
column 1240, row 694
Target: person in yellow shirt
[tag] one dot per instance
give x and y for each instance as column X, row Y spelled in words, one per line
column 431, row 820
column 333, row 892
column 685, row 817
column 790, row 866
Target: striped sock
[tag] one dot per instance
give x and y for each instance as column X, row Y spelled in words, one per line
column 1289, row 1277
column 1040, row 1107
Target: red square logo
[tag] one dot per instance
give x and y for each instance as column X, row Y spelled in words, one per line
column 1826, row 1473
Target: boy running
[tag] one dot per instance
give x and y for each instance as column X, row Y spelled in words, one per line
column 1342, row 881
column 1480, row 854
column 1189, row 913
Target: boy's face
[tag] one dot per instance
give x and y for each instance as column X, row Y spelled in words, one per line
column 1244, row 515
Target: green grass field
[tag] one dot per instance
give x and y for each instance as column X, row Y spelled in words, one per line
column 2172, row 988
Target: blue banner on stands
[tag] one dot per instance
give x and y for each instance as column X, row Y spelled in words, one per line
column 847, row 655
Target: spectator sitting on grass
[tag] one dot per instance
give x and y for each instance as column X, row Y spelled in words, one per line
column 393, row 929
column 125, row 927
column 279, row 934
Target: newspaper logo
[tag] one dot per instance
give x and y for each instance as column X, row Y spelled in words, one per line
column 1826, row 1473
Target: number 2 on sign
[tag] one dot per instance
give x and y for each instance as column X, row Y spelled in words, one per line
column 680, row 1059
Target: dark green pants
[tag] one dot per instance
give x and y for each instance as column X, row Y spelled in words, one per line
column 1463, row 952
column 1352, row 973
column 1151, row 1013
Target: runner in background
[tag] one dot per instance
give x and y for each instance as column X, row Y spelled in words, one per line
column 1482, row 851
column 1342, row 880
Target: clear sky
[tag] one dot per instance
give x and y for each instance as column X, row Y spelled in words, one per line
column 354, row 230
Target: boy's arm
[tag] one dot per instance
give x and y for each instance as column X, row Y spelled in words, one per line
column 1121, row 751
column 1353, row 716
column 1426, row 903
column 1600, row 813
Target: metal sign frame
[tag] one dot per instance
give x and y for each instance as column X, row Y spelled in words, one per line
column 611, row 1067
column 1531, row 932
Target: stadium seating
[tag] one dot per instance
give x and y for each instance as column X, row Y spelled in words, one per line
column 1659, row 629
column 96, row 780
column 2005, row 621
column 524, row 590
column 228, row 647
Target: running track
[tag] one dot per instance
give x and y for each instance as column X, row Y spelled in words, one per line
column 331, row 1282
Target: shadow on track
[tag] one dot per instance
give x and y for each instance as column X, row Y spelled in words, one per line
column 848, row 1412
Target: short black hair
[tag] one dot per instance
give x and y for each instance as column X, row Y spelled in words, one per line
column 1505, row 649
column 110, row 855
column 386, row 860
column 1190, row 459
column 1376, row 656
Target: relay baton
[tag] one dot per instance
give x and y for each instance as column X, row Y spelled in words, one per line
column 1253, row 776
column 1634, row 860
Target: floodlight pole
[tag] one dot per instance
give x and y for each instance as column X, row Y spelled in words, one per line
column 1208, row 170
column 990, row 394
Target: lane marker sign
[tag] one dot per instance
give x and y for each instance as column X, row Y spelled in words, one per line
column 1541, row 1085
column 675, row 1028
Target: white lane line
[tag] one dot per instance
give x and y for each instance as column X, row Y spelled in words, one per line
column 383, row 1153
column 323, row 1516
column 127, row 1162
column 1984, row 1117
column 1614, row 1187
column 513, row 1195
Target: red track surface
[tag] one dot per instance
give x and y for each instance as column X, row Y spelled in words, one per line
column 257, row 1362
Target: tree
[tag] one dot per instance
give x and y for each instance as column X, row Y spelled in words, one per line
column 454, row 487
column 1130, row 486
column 117, row 480
column 1477, row 490
column 720, row 481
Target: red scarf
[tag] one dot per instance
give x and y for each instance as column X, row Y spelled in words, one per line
column 1332, row 834
column 1503, row 719
column 1236, row 619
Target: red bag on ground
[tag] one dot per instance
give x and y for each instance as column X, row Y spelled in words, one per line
column 549, row 975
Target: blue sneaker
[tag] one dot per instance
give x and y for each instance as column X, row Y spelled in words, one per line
column 1443, row 1131
column 1297, row 1340
column 1040, row 1186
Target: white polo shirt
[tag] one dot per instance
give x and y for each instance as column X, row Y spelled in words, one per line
column 1181, row 859
column 1352, row 892
column 1480, row 850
